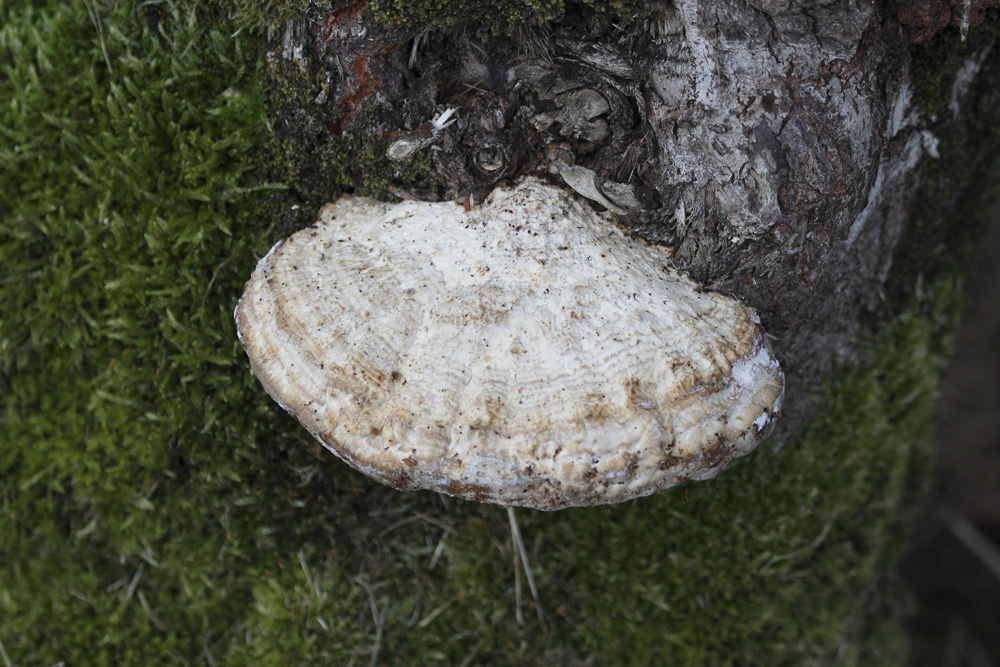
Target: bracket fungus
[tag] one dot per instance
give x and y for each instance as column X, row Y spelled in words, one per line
column 527, row 352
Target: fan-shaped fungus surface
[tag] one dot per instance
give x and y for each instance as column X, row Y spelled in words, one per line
column 526, row 352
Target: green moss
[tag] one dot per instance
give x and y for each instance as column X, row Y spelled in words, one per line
column 935, row 64
column 159, row 508
column 959, row 186
column 270, row 16
column 302, row 614
column 498, row 14
column 319, row 154
column 125, row 206
column 261, row 17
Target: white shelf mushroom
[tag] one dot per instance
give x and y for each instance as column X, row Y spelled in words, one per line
column 526, row 352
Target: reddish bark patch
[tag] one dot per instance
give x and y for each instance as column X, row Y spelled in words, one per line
column 348, row 13
column 361, row 48
column 364, row 85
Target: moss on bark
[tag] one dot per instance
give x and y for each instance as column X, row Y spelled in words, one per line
column 496, row 14
column 958, row 187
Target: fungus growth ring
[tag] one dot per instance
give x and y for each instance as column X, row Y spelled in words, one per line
column 527, row 352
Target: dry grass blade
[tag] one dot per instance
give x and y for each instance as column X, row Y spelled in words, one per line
column 515, row 532
column 6, row 659
column 96, row 19
column 985, row 550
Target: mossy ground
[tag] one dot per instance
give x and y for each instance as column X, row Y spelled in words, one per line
column 156, row 507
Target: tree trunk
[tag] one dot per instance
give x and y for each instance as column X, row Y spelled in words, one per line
column 774, row 145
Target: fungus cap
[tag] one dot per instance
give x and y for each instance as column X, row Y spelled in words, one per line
column 527, row 352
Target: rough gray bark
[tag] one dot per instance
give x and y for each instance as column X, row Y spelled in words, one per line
column 773, row 144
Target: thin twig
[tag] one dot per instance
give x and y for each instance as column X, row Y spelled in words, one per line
column 6, row 659
column 516, row 553
column 96, row 19
column 976, row 542
column 416, row 45
column 516, row 531
column 130, row 591
column 402, row 522
column 434, row 613
column 208, row 653
column 215, row 274
column 149, row 612
column 378, row 617
column 437, row 553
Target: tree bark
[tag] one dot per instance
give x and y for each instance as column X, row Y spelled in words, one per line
column 775, row 145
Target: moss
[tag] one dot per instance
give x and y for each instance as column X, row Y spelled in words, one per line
column 269, row 17
column 123, row 201
column 935, row 64
column 319, row 154
column 261, row 17
column 497, row 14
column 957, row 189
column 158, row 508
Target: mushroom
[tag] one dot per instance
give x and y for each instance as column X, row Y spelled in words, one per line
column 527, row 352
